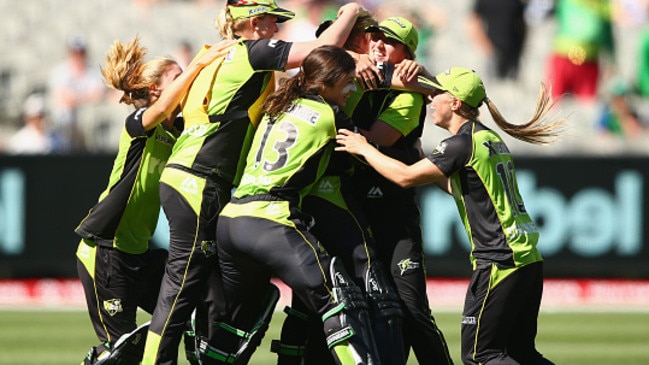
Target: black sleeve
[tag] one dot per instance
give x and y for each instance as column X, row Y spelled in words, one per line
column 452, row 154
column 179, row 123
column 268, row 54
column 342, row 119
column 134, row 125
column 405, row 155
column 387, row 70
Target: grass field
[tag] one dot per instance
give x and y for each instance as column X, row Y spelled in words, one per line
column 567, row 338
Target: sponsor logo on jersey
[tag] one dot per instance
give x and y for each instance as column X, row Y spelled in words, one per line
column 272, row 43
column 84, row 251
column 468, row 320
column 273, row 209
column 375, row 192
column 325, row 186
column 113, row 306
column 189, row 185
column 164, row 139
column 407, row 264
column 196, row 130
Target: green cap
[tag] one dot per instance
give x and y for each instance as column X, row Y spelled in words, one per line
column 240, row 9
column 461, row 82
column 399, row 29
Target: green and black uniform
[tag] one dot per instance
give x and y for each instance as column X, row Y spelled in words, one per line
column 344, row 230
column 341, row 228
column 197, row 182
column 503, row 299
column 263, row 230
column 118, row 270
column 394, row 215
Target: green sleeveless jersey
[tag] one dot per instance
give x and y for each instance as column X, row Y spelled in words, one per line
column 233, row 93
column 483, row 180
column 288, row 155
column 126, row 214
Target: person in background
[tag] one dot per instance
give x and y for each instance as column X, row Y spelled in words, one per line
column 263, row 230
column 183, row 53
column 72, row 85
column 119, row 272
column 499, row 30
column 583, row 49
column 34, row 138
column 499, row 319
column 221, row 112
column 309, row 14
column 618, row 116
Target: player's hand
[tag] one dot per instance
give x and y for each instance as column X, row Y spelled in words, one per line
column 367, row 74
column 407, row 70
column 351, row 7
column 351, row 142
column 214, row 51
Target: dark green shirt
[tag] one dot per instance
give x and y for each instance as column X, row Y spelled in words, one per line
column 483, row 180
column 126, row 214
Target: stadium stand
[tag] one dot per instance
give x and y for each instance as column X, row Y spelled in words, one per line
column 33, row 35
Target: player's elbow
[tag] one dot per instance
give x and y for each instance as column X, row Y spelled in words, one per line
column 404, row 180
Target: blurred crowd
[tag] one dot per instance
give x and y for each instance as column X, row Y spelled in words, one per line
column 594, row 54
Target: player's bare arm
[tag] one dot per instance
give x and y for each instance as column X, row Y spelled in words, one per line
column 419, row 173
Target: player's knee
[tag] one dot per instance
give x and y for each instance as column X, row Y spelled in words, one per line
column 347, row 325
column 232, row 345
column 292, row 344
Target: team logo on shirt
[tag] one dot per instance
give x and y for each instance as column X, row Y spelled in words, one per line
column 189, row 185
column 440, row 149
column 407, row 264
column 375, row 192
column 208, row 248
column 113, row 306
column 325, row 186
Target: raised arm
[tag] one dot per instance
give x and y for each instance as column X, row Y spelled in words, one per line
column 166, row 107
column 335, row 35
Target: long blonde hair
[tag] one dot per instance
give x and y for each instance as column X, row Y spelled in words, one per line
column 229, row 27
column 126, row 70
column 538, row 130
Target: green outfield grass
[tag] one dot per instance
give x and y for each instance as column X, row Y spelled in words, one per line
column 567, row 338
